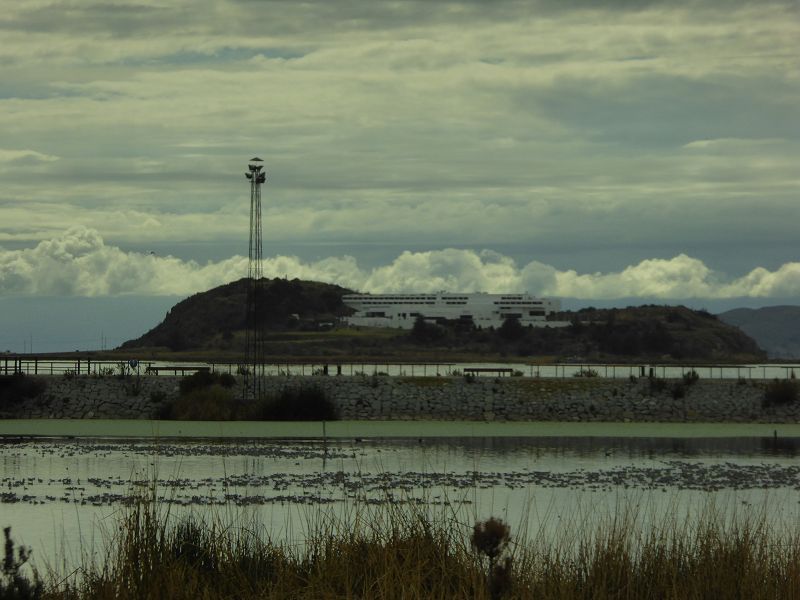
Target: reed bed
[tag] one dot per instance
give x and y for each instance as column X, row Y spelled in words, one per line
column 404, row 551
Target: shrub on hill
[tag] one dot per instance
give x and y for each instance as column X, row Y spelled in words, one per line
column 424, row 332
column 511, row 330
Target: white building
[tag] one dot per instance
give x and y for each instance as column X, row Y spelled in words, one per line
column 484, row 310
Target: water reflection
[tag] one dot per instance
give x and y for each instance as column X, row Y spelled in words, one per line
column 59, row 491
column 622, row 446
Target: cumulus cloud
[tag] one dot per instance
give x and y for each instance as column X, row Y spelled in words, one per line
column 80, row 263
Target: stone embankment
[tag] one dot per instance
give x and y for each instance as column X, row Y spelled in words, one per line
column 457, row 398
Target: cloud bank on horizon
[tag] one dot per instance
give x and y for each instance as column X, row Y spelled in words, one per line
column 80, row 263
column 633, row 124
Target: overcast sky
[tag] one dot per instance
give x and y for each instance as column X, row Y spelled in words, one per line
column 571, row 148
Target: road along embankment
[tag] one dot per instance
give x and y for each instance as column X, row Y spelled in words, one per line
column 445, row 398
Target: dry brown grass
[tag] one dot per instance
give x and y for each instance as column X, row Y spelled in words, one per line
column 400, row 553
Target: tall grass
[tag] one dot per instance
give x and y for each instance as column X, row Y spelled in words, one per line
column 400, row 551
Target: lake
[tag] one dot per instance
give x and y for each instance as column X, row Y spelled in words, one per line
column 62, row 494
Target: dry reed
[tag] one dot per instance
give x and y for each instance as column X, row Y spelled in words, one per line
column 402, row 552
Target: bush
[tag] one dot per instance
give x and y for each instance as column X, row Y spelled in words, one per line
column 678, row 391
column 511, row 330
column 226, row 380
column 657, row 384
column 691, row 377
column 303, row 404
column 18, row 386
column 587, row 373
column 213, row 403
column 491, row 538
column 206, row 379
column 780, row 392
column 424, row 332
column 158, row 396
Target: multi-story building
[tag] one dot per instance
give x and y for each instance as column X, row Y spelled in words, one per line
column 482, row 309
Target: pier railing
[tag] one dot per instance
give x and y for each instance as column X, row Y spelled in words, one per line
column 31, row 365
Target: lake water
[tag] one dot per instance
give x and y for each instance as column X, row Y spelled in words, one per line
column 63, row 495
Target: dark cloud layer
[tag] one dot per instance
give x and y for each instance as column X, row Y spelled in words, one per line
column 597, row 127
column 653, row 110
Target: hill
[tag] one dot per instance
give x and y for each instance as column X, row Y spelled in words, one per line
column 775, row 328
column 656, row 332
column 212, row 324
column 215, row 319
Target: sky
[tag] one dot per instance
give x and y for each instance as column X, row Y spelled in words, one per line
column 579, row 149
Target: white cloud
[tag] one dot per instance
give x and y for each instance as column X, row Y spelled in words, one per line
column 80, row 263
column 24, row 156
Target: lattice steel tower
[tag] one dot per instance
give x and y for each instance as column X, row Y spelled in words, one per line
column 254, row 317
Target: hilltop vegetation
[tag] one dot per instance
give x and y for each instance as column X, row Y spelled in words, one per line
column 654, row 332
column 299, row 315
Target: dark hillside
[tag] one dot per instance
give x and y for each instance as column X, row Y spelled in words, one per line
column 672, row 333
column 211, row 319
column 775, row 328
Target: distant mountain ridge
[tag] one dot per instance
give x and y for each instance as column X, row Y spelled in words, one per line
column 775, row 328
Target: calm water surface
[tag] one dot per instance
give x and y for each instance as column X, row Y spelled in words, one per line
column 63, row 495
